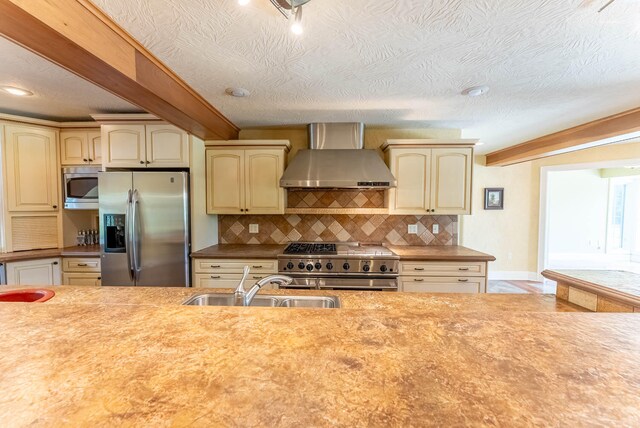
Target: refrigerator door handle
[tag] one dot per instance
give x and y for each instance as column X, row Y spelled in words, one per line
column 127, row 235
column 135, row 219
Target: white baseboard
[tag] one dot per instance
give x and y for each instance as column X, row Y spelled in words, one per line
column 514, row 276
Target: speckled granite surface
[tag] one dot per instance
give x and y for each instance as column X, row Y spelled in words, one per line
column 77, row 251
column 168, row 365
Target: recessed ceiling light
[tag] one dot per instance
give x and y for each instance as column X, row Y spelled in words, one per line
column 19, row 92
column 243, row 2
column 238, row 92
column 476, row 91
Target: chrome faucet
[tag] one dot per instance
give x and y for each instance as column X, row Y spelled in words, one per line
column 244, row 298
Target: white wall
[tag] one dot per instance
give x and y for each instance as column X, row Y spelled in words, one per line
column 577, row 207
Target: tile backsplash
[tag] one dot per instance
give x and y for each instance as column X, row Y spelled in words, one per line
column 335, row 198
column 281, row 229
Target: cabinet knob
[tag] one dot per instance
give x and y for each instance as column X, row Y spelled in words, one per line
column 55, row 206
column 85, row 160
column 55, row 263
column 148, row 162
column 90, row 160
column 141, row 162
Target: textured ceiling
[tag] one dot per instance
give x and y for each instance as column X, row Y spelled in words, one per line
column 58, row 93
column 550, row 64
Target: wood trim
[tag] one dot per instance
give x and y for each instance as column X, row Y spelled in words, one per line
column 612, row 129
column 79, row 37
column 428, row 143
column 591, row 287
column 249, row 144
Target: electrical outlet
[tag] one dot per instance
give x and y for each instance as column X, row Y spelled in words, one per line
column 436, row 229
column 253, row 228
column 412, row 229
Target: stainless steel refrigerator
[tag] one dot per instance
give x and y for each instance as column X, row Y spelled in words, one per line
column 144, row 225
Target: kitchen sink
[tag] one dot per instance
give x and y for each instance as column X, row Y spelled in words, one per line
column 226, row 299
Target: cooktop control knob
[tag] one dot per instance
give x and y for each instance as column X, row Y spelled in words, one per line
column 309, row 267
column 289, row 265
column 366, row 268
column 383, row 268
column 300, row 265
column 330, row 266
column 318, row 265
column 346, row 266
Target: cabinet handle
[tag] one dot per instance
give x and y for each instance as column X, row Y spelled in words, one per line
column 141, row 162
column 463, row 268
column 215, row 266
column 82, row 264
column 90, row 160
column 148, row 162
column 99, row 277
column 55, row 206
column 55, row 263
column 463, row 280
column 418, row 268
column 257, row 277
column 215, row 277
column 85, row 160
column 256, row 267
column 418, row 279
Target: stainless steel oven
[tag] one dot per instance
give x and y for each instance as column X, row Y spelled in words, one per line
column 388, row 283
column 80, row 188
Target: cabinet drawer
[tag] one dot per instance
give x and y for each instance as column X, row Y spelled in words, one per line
column 445, row 284
column 443, row 268
column 224, row 280
column 234, row 266
column 81, row 279
column 84, row 264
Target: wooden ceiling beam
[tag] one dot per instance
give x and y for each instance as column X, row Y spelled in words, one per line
column 79, row 37
column 608, row 130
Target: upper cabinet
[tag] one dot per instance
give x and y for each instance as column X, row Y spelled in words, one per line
column 80, row 147
column 245, row 179
column 432, row 178
column 31, row 169
column 144, row 146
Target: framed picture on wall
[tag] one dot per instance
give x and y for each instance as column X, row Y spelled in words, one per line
column 493, row 198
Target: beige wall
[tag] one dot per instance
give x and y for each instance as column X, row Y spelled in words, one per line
column 511, row 235
column 374, row 136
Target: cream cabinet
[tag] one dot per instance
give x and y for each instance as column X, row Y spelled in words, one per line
column 81, row 271
column 80, row 147
column 34, row 272
column 443, row 277
column 431, row 180
column 223, row 273
column 31, row 169
column 245, row 180
column 144, row 146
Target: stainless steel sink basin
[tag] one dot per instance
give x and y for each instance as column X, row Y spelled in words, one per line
column 261, row 300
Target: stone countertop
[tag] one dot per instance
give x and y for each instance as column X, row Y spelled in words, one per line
column 421, row 302
column 161, row 365
column 439, row 253
column 236, row 251
column 416, row 253
column 77, row 251
column 617, row 284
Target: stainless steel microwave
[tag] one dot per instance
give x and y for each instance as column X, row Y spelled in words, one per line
column 80, row 188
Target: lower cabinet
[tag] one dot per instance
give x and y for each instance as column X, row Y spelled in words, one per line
column 224, row 273
column 443, row 277
column 34, row 272
column 81, row 271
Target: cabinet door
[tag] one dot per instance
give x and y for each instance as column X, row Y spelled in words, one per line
column 94, row 139
column 32, row 169
column 443, row 284
column 451, row 181
column 263, row 170
column 225, row 181
column 74, row 148
column 167, row 147
column 34, row 272
column 411, row 167
column 123, row 146
column 91, row 279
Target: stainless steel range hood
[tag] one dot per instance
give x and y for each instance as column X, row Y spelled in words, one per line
column 337, row 160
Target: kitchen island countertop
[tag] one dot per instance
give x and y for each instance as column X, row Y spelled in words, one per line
column 75, row 251
column 158, row 364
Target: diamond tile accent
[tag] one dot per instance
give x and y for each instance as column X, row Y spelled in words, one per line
column 339, row 227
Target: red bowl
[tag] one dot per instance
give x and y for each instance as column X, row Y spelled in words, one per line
column 31, row 295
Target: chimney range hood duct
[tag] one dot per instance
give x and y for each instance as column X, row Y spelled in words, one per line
column 337, row 160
